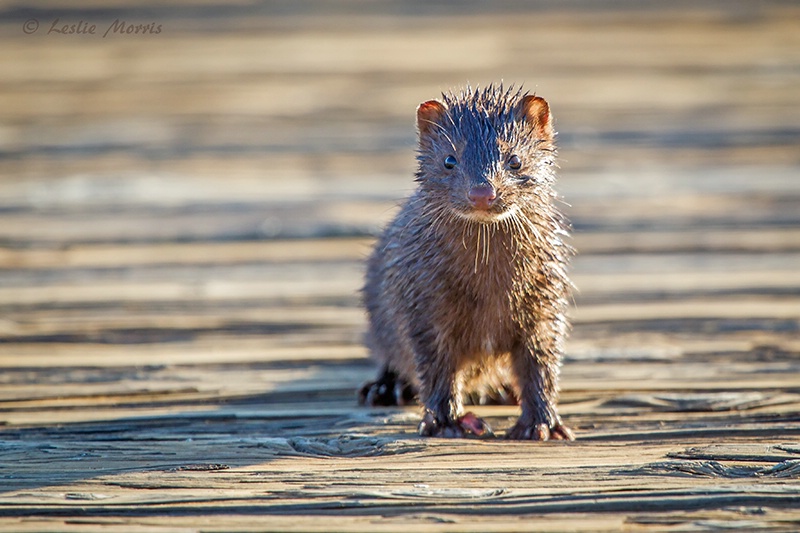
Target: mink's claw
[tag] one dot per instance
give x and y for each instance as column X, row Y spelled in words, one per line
column 389, row 389
column 540, row 432
column 466, row 425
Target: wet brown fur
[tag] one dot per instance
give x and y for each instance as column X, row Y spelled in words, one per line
column 470, row 303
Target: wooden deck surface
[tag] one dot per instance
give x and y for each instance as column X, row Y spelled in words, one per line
column 184, row 217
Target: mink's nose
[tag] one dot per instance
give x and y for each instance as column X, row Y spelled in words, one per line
column 482, row 197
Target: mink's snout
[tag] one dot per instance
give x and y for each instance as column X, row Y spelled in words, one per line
column 482, row 197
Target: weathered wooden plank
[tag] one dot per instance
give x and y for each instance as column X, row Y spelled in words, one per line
column 773, row 240
column 338, row 471
column 184, row 218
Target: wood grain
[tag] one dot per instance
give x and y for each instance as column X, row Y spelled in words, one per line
column 184, row 219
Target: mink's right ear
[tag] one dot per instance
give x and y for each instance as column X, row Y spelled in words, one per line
column 429, row 117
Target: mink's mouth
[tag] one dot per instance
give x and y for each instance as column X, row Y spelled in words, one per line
column 484, row 216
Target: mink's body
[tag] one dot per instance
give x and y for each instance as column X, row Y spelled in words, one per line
column 466, row 290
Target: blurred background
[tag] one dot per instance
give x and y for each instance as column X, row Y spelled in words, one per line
column 267, row 104
column 203, row 188
column 187, row 196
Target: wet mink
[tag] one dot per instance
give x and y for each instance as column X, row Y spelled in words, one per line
column 466, row 290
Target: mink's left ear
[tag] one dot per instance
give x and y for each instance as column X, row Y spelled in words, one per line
column 535, row 111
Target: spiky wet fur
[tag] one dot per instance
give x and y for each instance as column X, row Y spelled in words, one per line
column 472, row 303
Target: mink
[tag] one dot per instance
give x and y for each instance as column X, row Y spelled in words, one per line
column 467, row 288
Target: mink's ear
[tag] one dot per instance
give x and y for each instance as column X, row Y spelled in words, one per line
column 535, row 111
column 429, row 116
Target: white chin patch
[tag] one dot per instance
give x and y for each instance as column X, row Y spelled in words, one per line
column 485, row 216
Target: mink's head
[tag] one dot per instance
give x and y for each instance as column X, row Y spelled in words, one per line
column 486, row 154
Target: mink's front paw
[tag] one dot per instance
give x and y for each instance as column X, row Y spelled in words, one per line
column 540, row 432
column 466, row 425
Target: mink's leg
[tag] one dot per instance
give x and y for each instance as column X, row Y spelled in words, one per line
column 389, row 389
column 537, row 371
column 440, row 394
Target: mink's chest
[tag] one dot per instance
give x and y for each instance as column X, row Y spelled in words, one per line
column 477, row 307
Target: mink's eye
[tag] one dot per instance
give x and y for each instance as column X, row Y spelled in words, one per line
column 514, row 162
column 450, row 161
